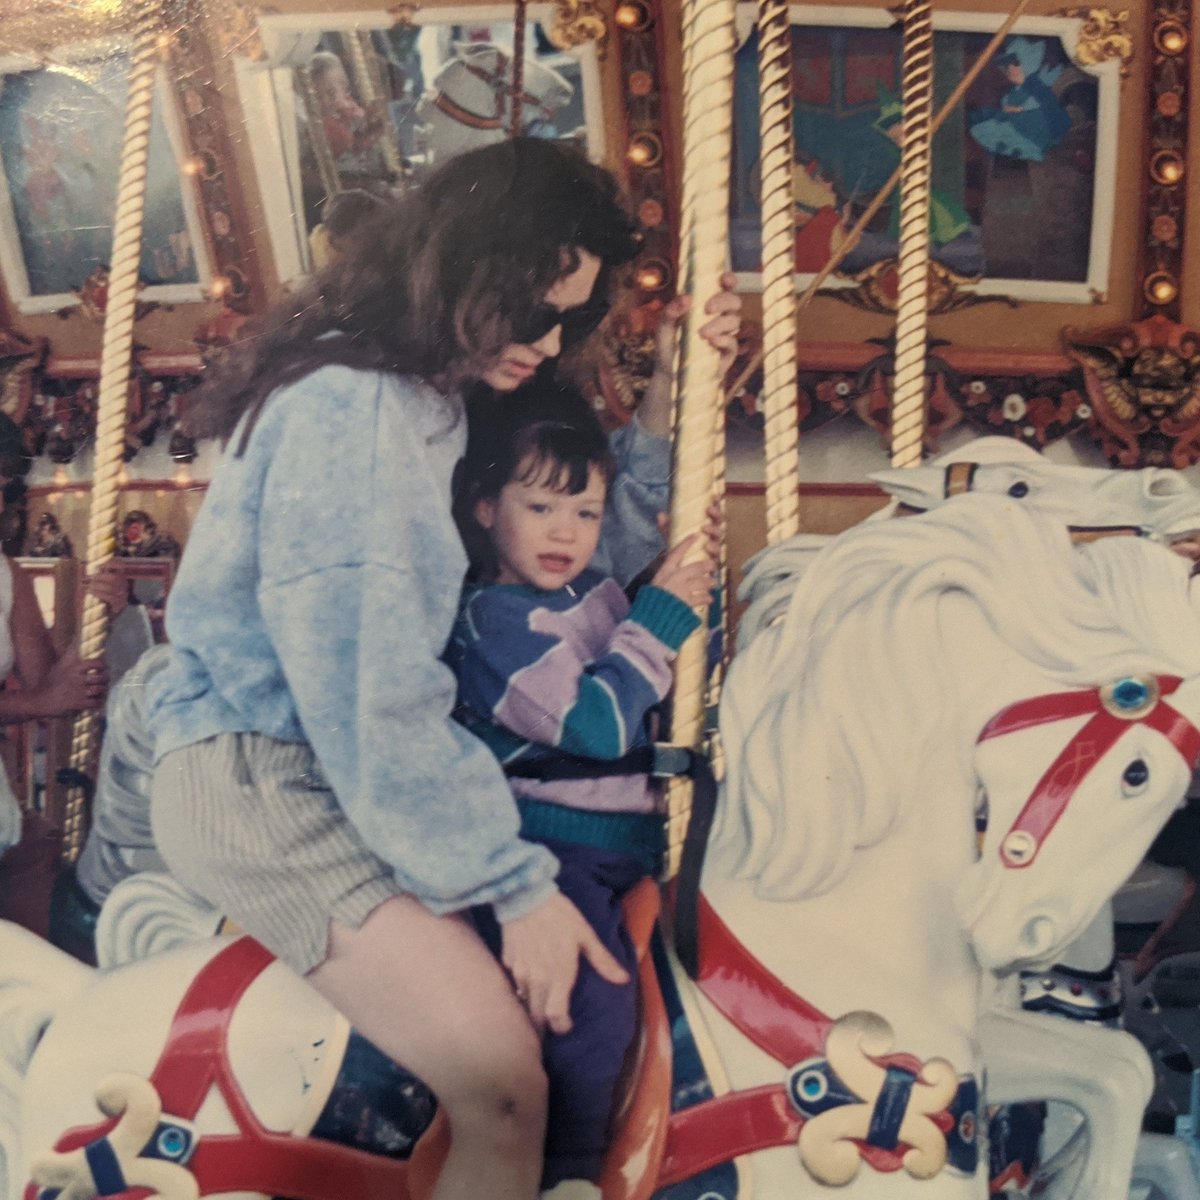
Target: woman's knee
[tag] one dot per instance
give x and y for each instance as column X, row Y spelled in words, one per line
column 500, row 1082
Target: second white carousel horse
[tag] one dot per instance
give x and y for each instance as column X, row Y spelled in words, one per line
column 469, row 103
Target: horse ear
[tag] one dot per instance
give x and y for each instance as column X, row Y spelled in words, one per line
column 922, row 487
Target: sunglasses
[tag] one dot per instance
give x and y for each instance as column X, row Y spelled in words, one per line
column 576, row 322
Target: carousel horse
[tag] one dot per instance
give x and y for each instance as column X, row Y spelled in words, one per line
column 470, row 101
column 870, row 819
column 1091, row 502
column 849, row 918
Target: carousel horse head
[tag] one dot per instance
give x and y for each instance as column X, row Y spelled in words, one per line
column 1153, row 501
column 470, row 101
column 924, row 667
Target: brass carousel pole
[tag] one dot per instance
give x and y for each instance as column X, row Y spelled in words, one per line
column 781, row 432
column 708, row 48
column 115, row 361
column 912, row 306
column 375, row 99
column 516, row 120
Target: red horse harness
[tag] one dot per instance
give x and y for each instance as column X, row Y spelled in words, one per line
column 195, row 1060
column 1111, row 710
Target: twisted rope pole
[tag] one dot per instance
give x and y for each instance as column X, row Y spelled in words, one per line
column 708, row 48
column 115, row 361
column 868, row 214
column 374, row 99
column 326, row 167
column 776, row 165
column 912, row 306
column 517, row 94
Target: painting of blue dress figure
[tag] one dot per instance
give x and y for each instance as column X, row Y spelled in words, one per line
column 61, row 129
column 1013, row 179
column 1030, row 120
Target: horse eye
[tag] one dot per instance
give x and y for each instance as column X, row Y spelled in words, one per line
column 1019, row 490
column 1135, row 778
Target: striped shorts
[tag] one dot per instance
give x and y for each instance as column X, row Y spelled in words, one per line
column 251, row 824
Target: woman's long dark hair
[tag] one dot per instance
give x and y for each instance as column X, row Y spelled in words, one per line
column 430, row 284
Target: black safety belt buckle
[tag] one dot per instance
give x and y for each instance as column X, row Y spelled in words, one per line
column 671, row 761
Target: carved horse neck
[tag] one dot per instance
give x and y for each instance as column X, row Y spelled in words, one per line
column 892, row 905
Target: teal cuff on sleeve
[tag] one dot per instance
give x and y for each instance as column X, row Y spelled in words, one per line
column 664, row 615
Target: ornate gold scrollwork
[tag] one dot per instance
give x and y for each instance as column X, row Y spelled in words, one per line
column 237, row 32
column 577, row 22
column 875, row 289
column 1105, row 35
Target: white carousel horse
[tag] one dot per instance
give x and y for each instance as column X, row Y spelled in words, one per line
column 909, row 673
column 1154, row 502
column 838, row 859
column 469, row 103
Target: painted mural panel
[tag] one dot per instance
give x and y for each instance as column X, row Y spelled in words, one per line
column 1021, row 184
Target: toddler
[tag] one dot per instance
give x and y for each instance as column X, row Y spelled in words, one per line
column 559, row 673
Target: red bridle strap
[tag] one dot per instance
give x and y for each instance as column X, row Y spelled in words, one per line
column 195, row 1062
column 784, row 1025
column 1111, row 710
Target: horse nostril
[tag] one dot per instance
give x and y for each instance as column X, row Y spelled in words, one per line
column 1167, row 484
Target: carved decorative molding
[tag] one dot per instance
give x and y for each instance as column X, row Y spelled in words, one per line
column 235, row 279
column 875, row 290
column 1170, row 58
column 19, row 359
column 577, row 22
column 1105, row 35
column 1038, row 402
column 1143, row 381
column 646, row 148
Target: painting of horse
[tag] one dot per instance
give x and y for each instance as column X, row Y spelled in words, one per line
column 903, row 688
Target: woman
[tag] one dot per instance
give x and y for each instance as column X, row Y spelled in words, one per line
column 308, row 619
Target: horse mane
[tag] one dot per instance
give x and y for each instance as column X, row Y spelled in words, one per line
column 838, row 699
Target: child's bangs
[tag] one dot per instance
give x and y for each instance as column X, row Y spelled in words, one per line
column 561, row 457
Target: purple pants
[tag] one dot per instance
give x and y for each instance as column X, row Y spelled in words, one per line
column 583, row 1066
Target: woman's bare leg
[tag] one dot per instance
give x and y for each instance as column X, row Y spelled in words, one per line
column 426, row 991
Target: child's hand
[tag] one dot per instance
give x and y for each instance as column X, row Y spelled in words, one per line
column 713, row 531
column 692, row 582
column 541, row 951
column 725, row 309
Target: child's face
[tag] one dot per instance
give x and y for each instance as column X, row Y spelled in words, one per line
column 543, row 536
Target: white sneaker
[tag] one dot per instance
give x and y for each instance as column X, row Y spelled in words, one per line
column 573, row 1189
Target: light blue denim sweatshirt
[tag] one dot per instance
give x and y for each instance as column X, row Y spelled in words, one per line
column 316, row 596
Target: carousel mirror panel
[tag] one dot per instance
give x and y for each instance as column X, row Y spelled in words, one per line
column 344, row 109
